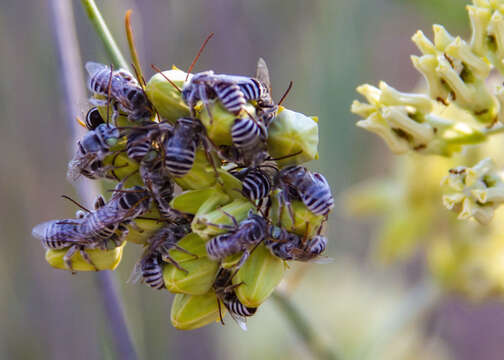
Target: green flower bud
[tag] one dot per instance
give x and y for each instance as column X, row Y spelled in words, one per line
column 237, row 208
column 291, row 132
column 193, row 244
column 259, row 276
column 144, row 228
column 190, row 312
column 121, row 120
column 219, row 130
column 474, row 192
column 202, row 174
column 102, row 259
column 166, row 99
column 198, row 279
column 302, row 217
column 122, row 166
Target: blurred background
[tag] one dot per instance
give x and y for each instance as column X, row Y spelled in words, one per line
column 361, row 308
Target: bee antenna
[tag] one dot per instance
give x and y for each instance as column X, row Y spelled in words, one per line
column 198, row 54
column 286, row 156
column 285, row 93
column 109, row 90
column 166, row 77
column 75, row 202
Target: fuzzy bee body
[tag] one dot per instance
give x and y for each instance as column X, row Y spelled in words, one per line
column 233, row 91
column 152, row 273
column 125, row 92
column 241, row 237
column 226, row 295
column 312, row 188
column 144, row 141
column 248, row 134
column 91, row 150
column 256, row 183
column 289, row 246
column 180, row 148
column 58, row 234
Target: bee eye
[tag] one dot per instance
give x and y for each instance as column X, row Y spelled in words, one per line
column 131, row 198
column 111, row 141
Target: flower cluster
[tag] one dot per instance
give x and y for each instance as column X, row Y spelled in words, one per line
column 208, row 181
column 462, row 107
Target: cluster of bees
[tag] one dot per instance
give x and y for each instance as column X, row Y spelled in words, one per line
column 198, row 186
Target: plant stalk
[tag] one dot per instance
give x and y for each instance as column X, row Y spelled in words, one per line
column 104, row 33
column 73, row 78
column 303, row 328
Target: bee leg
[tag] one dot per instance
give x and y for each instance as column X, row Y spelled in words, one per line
column 67, row 259
column 97, row 102
column 86, row 257
column 287, row 203
column 168, row 259
column 179, row 248
column 135, row 226
column 220, row 226
column 204, row 100
column 220, row 311
column 99, row 202
column 211, row 160
column 242, row 260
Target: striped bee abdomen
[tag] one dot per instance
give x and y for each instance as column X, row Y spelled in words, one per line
column 222, row 246
column 316, row 245
column 57, row 234
column 236, row 307
column 317, row 197
column 256, row 185
column 231, row 96
column 245, row 133
column 138, row 145
column 252, row 89
column 178, row 161
column 152, row 273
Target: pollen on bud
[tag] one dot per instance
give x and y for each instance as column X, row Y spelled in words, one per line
column 474, row 192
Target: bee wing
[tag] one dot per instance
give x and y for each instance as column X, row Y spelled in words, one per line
column 93, row 67
column 77, row 163
column 240, row 320
column 136, row 274
column 262, row 73
column 323, row 260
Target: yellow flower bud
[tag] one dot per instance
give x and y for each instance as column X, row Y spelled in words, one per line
column 102, row 259
column 201, row 175
column 190, row 312
column 198, row 280
column 259, row 276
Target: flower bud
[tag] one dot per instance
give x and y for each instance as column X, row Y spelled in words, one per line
column 259, row 276
column 455, row 73
column 305, row 222
column 198, row 279
column 122, row 167
column 202, row 174
column 102, row 259
column 144, row 228
column 291, row 132
column 167, row 100
column 190, row 312
column 474, row 192
column 218, row 126
column 238, row 208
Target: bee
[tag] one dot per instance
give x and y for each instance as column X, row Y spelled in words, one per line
column 123, row 208
column 249, row 137
column 143, row 141
column 267, row 109
column 257, row 183
column 290, row 246
column 126, row 95
column 180, row 148
column 242, row 236
column 93, row 119
column 311, row 188
column 150, row 267
column 233, row 91
column 91, row 150
column 226, row 295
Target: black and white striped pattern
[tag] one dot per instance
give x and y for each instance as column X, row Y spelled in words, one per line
column 138, row 145
column 256, row 185
column 315, row 246
column 93, row 119
column 222, row 246
column 231, row 97
column 283, row 247
column 57, row 234
column 180, row 148
column 251, row 88
column 246, row 133
column 179, row 161
column 234, row 306
column 152, row 273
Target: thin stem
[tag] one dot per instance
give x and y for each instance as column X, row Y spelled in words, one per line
column 103, row 32
column 495, row 130
column 303, row 328
column 73, row 78
column 133, row 50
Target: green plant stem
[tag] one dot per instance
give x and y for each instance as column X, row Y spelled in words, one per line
column 104, row 33
column 303, row 328
column 73, row 80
